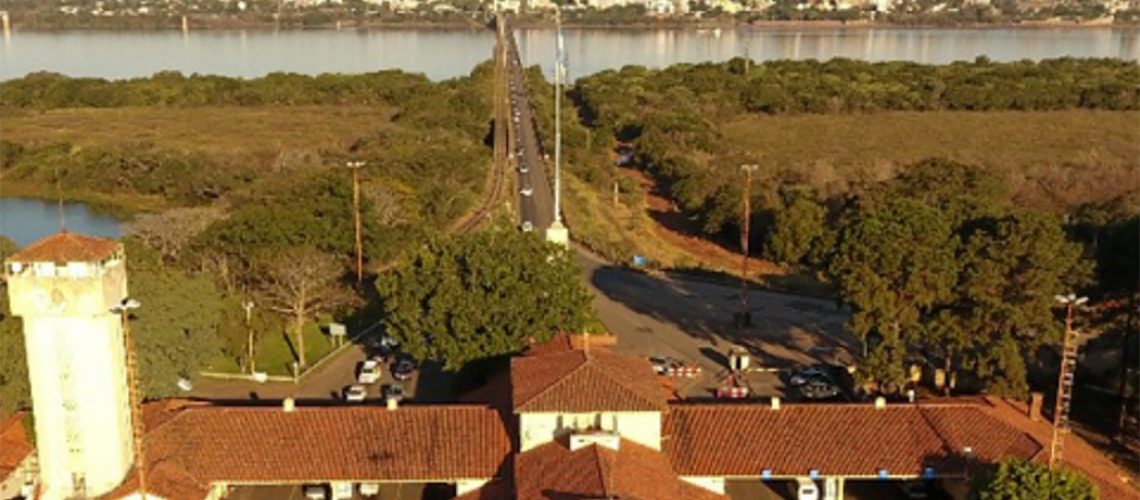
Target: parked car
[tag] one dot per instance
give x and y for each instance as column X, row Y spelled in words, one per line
column 916, row 490
column 403, row 369
column 809, row 374
column 369, row 372
column 394, row 391
column 819, row 389
column 355, row 393
column 316, row 492
column 806, row 489
column 662, row 364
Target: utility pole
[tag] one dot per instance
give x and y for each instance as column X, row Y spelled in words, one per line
column 745, row 318
column 355, row 166
column 248, row 306
column 1064, row 380
column 124, row 311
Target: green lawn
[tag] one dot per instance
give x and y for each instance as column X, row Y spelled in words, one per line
column 275, row 354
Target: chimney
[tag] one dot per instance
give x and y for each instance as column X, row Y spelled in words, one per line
column 1036, row 399
column 880, row 403
column 393, row 403
column 288, row 405
column 775, row 402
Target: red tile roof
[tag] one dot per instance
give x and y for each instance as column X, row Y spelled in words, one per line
column 14, row 444
column 632, row 471
column 198, row 445
column 577, row 381
column 66, row 247
column 837, row 439
column 1078, row 454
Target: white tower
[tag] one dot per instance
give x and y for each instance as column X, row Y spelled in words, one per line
column 64, row 287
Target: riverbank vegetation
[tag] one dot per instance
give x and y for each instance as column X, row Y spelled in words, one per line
column 945, row 204
column 249, row 196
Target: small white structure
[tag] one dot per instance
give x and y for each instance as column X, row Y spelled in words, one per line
column 64, row 287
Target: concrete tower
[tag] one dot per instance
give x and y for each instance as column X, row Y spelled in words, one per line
column 64, row 287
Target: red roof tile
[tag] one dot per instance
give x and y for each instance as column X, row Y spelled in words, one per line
column 850, row 440
column 66, row 247
column 14, row 444
column 632, row 471
column 575, row 381
column 203, row 444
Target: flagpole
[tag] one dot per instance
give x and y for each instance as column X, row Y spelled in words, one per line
column 558, row 69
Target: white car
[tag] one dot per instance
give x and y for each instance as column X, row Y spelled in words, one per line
column 527, row 226
column 369, row 372
column 355, row 393
column 526, row 191
column 316, row 492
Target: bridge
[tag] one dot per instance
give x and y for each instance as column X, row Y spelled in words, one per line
column 519, row 152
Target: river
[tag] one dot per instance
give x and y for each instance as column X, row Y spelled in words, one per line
column 26, row 220
column 444, row 53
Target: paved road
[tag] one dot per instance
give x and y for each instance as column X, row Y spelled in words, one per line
column 538, row 207
column 692, row 320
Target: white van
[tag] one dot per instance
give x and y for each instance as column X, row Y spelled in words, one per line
column 806, row 489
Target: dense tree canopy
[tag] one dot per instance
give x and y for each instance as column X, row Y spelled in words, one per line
column 14, row 391
column 481, row 295
column 1017, row 479
column 934, row 266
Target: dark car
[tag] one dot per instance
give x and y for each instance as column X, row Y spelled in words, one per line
column 819, row 389
column 403, row 369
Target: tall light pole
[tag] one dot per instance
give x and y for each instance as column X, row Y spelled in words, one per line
column 745, row 318
column 123, row 309
column 557, row 233
column 1065, row 378
column 248, row 306
column 355, row 166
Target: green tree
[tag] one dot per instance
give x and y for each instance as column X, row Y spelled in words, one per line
column 14, row 390
column 799, row 232
column 892, row 265
column 1017, row 479
column 175, row 329
column 482, row 295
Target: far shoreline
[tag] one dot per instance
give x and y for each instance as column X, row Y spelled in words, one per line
column 692, row 26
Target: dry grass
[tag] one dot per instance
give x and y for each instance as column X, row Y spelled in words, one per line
column 233, row 132
column 1051, row 158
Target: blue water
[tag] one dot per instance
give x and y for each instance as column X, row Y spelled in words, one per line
column 26, row 220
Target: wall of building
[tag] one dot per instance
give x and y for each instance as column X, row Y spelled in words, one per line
column 13, row 486
column 77, row 371
column 537, row 428
column 465, row 487
column 711, row 483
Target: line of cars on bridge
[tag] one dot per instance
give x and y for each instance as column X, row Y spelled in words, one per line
column 518, row 103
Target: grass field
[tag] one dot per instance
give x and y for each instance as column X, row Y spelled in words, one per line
column 1051, row 158
column 223, row 131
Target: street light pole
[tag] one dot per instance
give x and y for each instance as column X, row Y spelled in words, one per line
column 355, row 166
column 745, row 317
column 248, row 306
column 123, row 309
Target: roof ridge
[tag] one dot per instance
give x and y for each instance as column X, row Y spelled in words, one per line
column 560, row 381
column 603, row 470
column 623, row 386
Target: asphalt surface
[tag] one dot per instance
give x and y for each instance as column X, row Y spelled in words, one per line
column 538, row 207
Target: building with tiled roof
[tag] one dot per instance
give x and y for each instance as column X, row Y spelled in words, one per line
column 67, row 247
column 565, row 422
column 16, row 456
